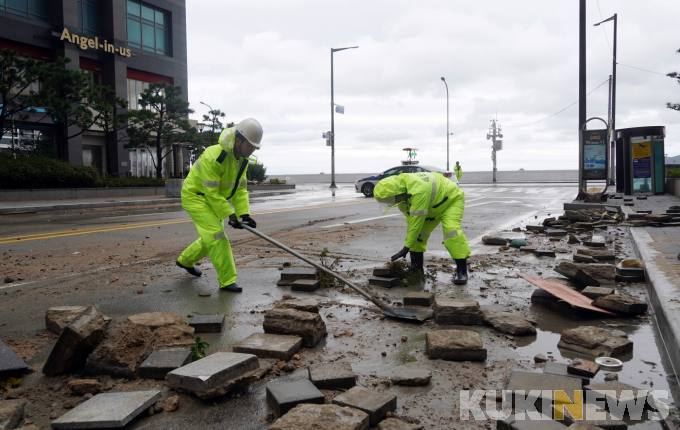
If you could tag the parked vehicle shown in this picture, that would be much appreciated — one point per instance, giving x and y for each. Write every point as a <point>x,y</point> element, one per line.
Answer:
<point>366,185</point>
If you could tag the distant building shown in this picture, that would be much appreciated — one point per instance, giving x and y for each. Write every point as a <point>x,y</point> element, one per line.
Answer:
<point>126,44</point>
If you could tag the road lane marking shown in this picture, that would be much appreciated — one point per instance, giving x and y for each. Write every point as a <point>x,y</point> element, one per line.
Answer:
<point>359,220</point>
<point>145,224</point>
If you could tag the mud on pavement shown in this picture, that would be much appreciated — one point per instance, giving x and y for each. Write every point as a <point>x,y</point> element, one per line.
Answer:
<point>145,279</point>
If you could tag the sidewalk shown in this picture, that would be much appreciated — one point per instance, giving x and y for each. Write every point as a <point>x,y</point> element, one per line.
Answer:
<point>12,208</point>
<point>659,248</point>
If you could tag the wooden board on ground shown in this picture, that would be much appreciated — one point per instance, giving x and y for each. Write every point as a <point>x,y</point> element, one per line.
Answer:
<point>565,293</point>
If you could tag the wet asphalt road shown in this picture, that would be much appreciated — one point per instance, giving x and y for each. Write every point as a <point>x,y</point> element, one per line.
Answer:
<point>147,243</point>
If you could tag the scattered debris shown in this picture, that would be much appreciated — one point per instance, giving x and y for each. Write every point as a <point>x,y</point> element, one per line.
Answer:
<point>207,323</point>
<point>58,317</point>
<point>10,362</point>
<point>513,323</point>
<point>453,311</point>
<point>565,293</point>
<point>410,376</point>
<point>80,387</point>
<point>309,326</point>
<point>384,282</point>
<point>455,345</point>
<point>494,240</point>
<point>595,341</point>
<point>279,346</point>
<point>621,303</point>
<point>595,292</point>
<point>162,361</point>
<point>331,417</point>
<point>110,410</point>
<point>306,285</point>
<point>333,376</point>
<point>284,395</point>
<point>585,368</point>
<point>375,404</point>
<point>214,375</point>
<point>418,298</point>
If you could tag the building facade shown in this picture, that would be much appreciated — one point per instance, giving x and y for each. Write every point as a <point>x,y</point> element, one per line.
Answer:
<point>125,44</point>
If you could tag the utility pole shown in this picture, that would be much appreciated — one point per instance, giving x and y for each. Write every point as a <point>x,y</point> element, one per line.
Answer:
<point>495,134</point>
<point>581,93</point>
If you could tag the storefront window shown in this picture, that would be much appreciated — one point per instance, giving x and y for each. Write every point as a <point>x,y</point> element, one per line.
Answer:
<point>147,28</point>
<point>28,8</point>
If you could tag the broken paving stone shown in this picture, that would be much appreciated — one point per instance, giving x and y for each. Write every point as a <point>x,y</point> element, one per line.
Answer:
<point>169,329</point>
<point>546,383</point>
<point>207,323</point>
<point>382,272</point>
<point>575,216</point>
<point>263,345</point>
<point>535,228</point>
<point>333,376</point>
<point>540,358</point>
<point>11,413</point>
<point>306,304</point>
<point>580,258</point>
<point>327,417</point>
<point>621,303</point>
<point>294,273</point>
<point>214,375</point>
<point>555,232</point>
<point>455,345</point>
<point>108,410</point>
<point>418,298</point>
<point>10,362</point>
<point>384,282</point>
<point>162,361</point>
<point>595,341</point>
<point>543,423</point>
<point>454,311</point>
<point>396,424</point>
<point>494,240</point>
<point>309,326</point>
<point>513,323</point>
<point>588,274</point>
<point>596,241</point>
<point>306,285</point>
<point>284,395</point>
<point>76,342</point>
<point>80,387</point>
<point>562,369</point>
<point>58,317</point>
<point>410,376</point>
<point>598,254</point>
<point>595,292</point>
<point>582,367</point>
<point>374,403</point>
<point>573,240</point>
<point>545,253</point>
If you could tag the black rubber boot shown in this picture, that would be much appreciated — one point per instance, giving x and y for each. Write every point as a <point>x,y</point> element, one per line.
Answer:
<point>416,262</point>
<point>461,272</point>
<point>191,270</point>
<point>232,288</point>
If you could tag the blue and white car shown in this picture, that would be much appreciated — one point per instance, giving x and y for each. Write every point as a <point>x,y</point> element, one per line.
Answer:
<point>366,185</point>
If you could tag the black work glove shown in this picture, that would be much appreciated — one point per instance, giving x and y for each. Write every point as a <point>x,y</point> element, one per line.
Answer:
<point>234,222</point>
<point>247,220</point>
<point>400,254</point>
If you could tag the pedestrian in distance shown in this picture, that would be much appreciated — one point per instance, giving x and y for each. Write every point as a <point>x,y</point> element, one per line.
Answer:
<point>215,190</point>
<point>458,171</point>
<point>427,199</point>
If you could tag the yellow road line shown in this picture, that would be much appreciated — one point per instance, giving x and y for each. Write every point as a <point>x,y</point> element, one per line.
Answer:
<point>143,224</point>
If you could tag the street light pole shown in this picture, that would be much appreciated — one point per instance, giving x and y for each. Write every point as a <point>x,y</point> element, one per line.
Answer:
<point>612,122</point>
<point>332,137</point>
<point>447,122</point>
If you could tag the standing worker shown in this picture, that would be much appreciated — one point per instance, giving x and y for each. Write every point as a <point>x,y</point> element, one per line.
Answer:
<point>426,199</point>
<point>214,190</point>
<point>458,171</point>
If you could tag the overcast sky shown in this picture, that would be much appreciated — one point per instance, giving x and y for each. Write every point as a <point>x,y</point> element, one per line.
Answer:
<point>517,61</point>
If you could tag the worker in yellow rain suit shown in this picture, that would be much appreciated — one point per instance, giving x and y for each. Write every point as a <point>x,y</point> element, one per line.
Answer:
<point>458,171</point>
<point>214,190</point>
<point>427,199</point>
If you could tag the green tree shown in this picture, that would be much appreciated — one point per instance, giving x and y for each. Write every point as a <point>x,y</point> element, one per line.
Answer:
<point>212,126</point>
<point>18,87</point>
<point>256,172</point>
<point>676,76</point>
<point>160,123</point>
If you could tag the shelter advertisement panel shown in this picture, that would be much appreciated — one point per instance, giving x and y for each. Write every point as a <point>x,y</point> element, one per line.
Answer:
<point>595,154</point>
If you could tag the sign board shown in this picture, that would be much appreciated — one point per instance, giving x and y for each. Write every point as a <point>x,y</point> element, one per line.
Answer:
<point>95,43</point>
<point>641,148</point>
<point>595,154</point>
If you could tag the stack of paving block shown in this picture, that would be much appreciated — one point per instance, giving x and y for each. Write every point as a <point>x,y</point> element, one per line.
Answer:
<point>386,277</point>
<point>300,279</point>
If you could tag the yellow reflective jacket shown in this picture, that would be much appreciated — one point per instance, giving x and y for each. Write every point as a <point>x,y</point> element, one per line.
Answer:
<point>430,193</point>
<point>220,177</point>
<point>458,171</point>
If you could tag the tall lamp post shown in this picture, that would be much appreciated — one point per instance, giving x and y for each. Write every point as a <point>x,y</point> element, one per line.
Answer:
<point>612,120</point>
<point>332,136</point>
<point>447,122</point>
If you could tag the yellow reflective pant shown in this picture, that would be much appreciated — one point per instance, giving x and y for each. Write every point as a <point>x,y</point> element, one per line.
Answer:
<point>212,241</point>
<point>450,217</point>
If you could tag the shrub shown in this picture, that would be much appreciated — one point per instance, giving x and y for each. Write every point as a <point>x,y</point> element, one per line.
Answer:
<point>256,172</point>
<point>43,172</point>
<point>673,172</point>
<point>131,182</point>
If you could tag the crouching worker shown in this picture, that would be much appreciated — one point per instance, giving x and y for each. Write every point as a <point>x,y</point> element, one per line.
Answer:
<point>215,190</point>
<point>427,199</point>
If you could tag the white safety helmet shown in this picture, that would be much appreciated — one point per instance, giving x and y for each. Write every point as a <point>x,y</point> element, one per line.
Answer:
<point>251,130</point>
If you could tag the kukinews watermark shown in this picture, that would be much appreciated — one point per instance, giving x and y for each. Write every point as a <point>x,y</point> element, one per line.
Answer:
<point>562,405</point>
